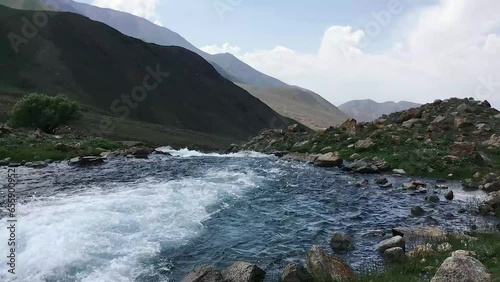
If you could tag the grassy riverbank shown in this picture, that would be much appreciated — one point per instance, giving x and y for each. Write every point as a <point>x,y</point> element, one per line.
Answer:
<point>486,248</point>
<point>29,146</point>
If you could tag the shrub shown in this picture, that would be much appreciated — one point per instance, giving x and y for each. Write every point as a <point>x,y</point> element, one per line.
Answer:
<point>44,112</point>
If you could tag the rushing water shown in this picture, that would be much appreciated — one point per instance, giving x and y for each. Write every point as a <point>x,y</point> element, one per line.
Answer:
<point>157,219</point>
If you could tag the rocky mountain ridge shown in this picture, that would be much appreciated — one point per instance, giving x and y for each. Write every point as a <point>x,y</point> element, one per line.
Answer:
<point>451,139</point>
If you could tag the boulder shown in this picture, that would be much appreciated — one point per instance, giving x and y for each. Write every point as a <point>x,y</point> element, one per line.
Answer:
<point>396,241</point>
<point>369,165</point>
<point>350,126</point>
<point>86,161</point>
<point>460,268</point>
<point>328,160</point>
<point>410,123</point>
<point>485,104</point>
<point>463,108</point>
<point>302,145</point>
<point>365,144</point>
<point>325,267</point>
<point>494,141</point>
<point>139,152</point>
<point>233,148</point>
<point>438,124</point>
<point>492,187</point>
<point>4,130</point>
<point>417,211</point>
<point>341,243</point>
<point>414,185</point>
<point>395,254</point>
<point>5,162</point>
<point>204,274</point>
<point>433,199</point>
<point>296,273</point>
<point>449,195</point>
<point>39,164</point>
<point>14,165</point>
<point>421,250</point>
<point>362,183</point>
<point>410,114</point>
<point>158,151</point>
<point>463,148</point>
<point>419,233</point>
<point>399,171</point>
<point>381,181</point>
<point>354,157</point>
<point>493,200</point>
<point>461,122</point>
<point>243,272</point>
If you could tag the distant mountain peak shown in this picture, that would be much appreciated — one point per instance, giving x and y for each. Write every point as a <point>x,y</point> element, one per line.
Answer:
<point>369,110</point>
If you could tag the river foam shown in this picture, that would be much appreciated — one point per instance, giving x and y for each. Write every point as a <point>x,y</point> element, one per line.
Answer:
<point>186,153</point>
<point>109,233</point>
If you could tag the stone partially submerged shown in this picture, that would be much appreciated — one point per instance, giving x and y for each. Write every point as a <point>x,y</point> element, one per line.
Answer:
<point>204,274</point>
<point>86,161</point>
<point>325,267</point>
<point>296,273</point>
<point>394,242</point>
<point>243,272</point>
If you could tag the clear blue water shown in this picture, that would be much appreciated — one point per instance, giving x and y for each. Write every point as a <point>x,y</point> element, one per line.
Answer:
<point>157,219</point>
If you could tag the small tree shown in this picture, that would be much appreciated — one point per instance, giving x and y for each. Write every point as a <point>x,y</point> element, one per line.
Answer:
<point>44,112</point>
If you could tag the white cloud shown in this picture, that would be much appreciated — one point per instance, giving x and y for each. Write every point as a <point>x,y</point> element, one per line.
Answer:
<point>447,51</point>
<point>225,48</point>
<point>141,8</point>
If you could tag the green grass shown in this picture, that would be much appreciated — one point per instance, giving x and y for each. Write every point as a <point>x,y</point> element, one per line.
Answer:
<point>423,268</point>
<point>22,146</point>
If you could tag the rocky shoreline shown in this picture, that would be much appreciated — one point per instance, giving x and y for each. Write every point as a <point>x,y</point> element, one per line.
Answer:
<point>458,265</point>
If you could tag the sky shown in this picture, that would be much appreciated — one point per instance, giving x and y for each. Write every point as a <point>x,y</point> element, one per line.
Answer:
<point>384,50</point>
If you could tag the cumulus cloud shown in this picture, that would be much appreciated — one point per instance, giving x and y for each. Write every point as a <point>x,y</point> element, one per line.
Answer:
<point>225,48</point>
<point>141,8</point>
<point>449,49</point>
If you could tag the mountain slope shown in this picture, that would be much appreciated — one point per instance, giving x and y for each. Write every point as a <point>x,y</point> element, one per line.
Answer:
<point>226,64</point>
<point>305,106</point>
<point>369,110</point>
<point>143,29</point>
<point>97,65</point>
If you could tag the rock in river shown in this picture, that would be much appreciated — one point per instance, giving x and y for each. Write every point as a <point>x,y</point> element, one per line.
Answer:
<point>243,272</point>
<point>204,274</point>
<point>396,241</point>
<point>296,273</point>
<point>86,161</point>
<point>341,243</point>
